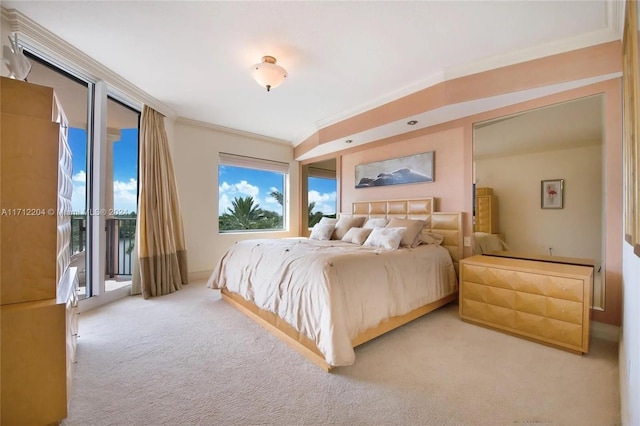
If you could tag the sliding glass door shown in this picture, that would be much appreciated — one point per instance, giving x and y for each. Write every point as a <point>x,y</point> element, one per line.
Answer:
<point>103,137</point>
<point>121,194</point>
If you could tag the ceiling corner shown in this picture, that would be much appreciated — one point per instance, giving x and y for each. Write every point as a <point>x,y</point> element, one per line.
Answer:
<point>615,17</point>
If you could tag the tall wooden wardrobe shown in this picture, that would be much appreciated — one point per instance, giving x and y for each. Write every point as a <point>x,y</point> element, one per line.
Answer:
<point>486,219</point>
<point>37,288</point>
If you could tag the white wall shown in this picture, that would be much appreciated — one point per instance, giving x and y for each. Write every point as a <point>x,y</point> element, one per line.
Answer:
<point>195,154</point>
<point>170,128</point>
<point>630,342</point>
<point>4,37</point>
<point>575,230</point>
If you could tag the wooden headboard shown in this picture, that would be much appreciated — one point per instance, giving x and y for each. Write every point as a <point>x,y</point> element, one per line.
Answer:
<point>449,225</point>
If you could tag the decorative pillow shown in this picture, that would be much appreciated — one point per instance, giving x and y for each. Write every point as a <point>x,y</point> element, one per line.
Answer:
<point>376,221</point>
<point>344,224</point>
<point>411,237</point>
<point>321,231</point>
<point>330,220</point>
<point>356,235</point>
<point>431,238</point>
<point>386,238</point>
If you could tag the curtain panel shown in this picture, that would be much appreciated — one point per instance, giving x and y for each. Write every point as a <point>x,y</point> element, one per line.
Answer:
<point>161,264</point>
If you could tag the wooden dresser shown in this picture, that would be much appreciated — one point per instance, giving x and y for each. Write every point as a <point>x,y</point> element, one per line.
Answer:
<point>539,298</point>
<point>37,287</point>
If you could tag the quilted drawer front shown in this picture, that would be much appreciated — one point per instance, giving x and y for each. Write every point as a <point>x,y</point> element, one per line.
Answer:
<point>547,285</point>
<point>531,324</point>
<point>474,310</point>
<point>501,297</point>
<point>565,310</point>
<point>500,317</point>
<point>563,332</point>
<point>565,288</point>
<point>472,291</point>
<point>489,276</point>
<point>531,303</point>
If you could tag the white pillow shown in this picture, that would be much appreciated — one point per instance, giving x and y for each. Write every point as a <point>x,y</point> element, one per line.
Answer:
<point>376,221</point>
<point>330,220</point>
<point>344,224</point>
<point>321,231</point>
<point>411,237</point>
<point>386,238</point>
<point>356,235</point>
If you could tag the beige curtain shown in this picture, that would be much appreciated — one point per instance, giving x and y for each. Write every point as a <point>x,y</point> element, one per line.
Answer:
<point>161,264</point>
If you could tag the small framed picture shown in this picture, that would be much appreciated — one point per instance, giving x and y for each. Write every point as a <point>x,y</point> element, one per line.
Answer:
<point>552,194</point>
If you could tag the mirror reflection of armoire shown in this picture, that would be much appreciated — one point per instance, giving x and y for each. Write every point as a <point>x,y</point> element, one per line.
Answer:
<point>38,302</point>
<point>486,208</point>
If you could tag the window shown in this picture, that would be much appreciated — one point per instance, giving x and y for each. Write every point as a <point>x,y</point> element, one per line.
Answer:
<point>252,194</point>
<point>322,199</point>
<point>75,96</point>
<point>105,173</point>
<point>321,194</point>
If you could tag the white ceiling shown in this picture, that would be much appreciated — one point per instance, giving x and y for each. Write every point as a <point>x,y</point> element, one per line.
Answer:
<point>342,58</point>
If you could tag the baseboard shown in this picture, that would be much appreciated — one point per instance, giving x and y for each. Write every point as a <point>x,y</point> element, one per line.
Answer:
<point>603,331</point>
<point>199,275</point>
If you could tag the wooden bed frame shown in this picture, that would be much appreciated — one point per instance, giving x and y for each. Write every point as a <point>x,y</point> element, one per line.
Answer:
<point>447,224</point>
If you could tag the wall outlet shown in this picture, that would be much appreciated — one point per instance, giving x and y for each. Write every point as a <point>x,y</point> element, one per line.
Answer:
<point>467,241</point>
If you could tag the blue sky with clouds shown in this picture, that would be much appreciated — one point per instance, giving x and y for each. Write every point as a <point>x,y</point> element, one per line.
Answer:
<point>241,182</point>
<point>125,175</point>
<point>233,181</point>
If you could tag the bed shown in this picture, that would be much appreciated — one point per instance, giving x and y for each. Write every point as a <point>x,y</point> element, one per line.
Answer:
<point>484,242</point>
<point>324,298</point>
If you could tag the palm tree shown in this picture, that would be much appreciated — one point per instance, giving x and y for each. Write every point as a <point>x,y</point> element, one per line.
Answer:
<point>278,196</point>
<point>245,214</point>
<point>313,217</point>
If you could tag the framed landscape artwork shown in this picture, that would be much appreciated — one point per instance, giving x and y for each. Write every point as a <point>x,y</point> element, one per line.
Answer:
<point>402,170</point>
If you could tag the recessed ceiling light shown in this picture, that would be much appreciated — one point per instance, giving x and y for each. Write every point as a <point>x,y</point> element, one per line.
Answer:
<point>412,122</point>
<point>348,141</point>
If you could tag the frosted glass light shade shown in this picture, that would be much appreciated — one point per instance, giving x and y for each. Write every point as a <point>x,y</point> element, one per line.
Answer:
<point>267,73</point>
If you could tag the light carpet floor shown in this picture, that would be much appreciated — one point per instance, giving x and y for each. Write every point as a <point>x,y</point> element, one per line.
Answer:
<point>190,359</point>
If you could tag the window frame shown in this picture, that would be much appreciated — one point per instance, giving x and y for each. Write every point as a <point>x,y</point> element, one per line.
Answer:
<point>258,164</point>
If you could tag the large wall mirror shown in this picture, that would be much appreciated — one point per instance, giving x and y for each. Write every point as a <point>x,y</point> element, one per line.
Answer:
<point>319,192</point>
<point>539,185</point>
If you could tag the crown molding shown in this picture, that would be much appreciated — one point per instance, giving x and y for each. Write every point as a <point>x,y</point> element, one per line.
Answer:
<point>615,17</point>
<point>448,113</point>
<point>231,131</point>
<point>73,60</point>
<point>615,20</point>
<point>536,52</point>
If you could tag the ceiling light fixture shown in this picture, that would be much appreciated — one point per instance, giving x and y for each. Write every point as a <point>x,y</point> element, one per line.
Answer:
<point>412,122</point>
<point>348,141</point>
<point>267,73</point>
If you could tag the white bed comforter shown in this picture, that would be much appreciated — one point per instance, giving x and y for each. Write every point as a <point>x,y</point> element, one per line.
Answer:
<point>331,291</point>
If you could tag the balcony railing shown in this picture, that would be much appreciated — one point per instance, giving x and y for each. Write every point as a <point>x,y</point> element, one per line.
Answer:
<point>120,234</point>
